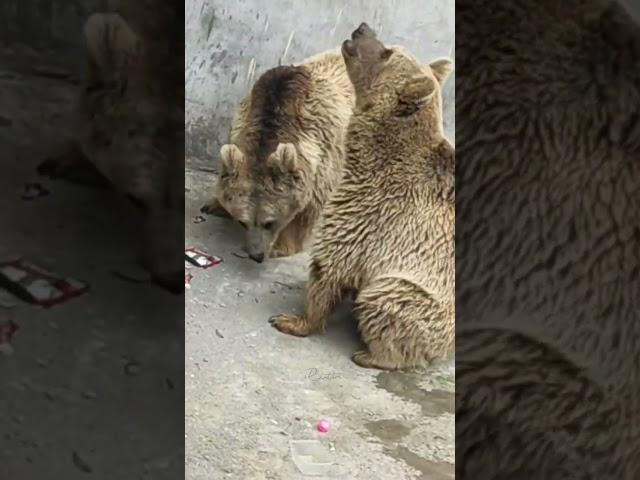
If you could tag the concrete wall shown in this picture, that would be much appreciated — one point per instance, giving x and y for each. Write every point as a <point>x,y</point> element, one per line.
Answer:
<point>230,42</point>
<point>45,27</point>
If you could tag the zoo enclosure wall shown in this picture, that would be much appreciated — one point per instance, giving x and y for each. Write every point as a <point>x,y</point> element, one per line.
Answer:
<point>229,43</point>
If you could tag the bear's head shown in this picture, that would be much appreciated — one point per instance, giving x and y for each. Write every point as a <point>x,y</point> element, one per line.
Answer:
<point>263,196</point>
<point>390,83</point>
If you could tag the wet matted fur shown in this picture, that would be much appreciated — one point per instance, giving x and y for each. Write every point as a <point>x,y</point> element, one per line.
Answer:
<point>388,230</point>
<point>547,259</point>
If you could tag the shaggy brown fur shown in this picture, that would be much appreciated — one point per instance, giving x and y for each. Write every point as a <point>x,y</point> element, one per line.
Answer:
<point>388,231</point>
<point>130,127</point>
<point>554,419</point>
<point>548,175</point>
<point>286,154</point>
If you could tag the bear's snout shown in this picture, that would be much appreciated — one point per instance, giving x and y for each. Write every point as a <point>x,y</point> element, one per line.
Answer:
<point>257,257</point>
<point>363,29</point>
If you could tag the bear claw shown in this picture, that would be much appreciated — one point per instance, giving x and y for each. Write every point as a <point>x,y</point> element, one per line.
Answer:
<point>290,324</point>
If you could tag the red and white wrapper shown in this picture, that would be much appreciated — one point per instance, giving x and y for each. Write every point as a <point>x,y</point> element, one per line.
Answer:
<point>36,285</point>
<point>7,330</point>
<point>201,259</point>
<point>187,279</point>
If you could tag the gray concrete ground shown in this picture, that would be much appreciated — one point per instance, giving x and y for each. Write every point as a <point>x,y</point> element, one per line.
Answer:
<point>250,390</point>
<point>94,388</point>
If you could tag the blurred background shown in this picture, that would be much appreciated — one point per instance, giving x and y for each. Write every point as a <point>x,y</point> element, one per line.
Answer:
<point>93,385</point>
<point>52,28</point>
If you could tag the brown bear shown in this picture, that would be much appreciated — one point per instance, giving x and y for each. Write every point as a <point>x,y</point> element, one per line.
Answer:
<point>388,230</point>
<point>548,182</point>
<point>286,154</point>
<point>130,125</point>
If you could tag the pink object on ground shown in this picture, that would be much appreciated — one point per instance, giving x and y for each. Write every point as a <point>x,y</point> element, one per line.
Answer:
<point>324,426</point>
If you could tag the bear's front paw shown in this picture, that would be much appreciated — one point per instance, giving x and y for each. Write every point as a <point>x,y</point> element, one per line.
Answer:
<point>72,168</point>
<point>290,324</point>
<point>52,167</point>
<point>214,208</point>
<point>283,249</point>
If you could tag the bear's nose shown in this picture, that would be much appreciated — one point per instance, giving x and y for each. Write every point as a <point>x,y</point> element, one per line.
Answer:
<point>363,29</point>
<point>257,257</point>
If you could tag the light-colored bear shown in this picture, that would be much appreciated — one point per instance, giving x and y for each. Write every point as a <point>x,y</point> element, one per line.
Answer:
<point>286,154</point>
<point>388,230</point>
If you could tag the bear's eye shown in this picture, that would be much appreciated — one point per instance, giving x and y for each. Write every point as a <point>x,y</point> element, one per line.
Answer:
<point>268,225</point>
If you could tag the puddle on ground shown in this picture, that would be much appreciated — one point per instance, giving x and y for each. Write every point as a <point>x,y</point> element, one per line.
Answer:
<point>405,386</point>
<point>430,470</point>
<point>433,403</point>
<point>388,430</point>
<point>392,431</point>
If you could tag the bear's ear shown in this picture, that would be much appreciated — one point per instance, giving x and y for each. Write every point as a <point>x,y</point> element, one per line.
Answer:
<point>414,94</point>
<point>231,159</point>
<point>284,159</point>
<point>111,43</point>
<point>442,68</point>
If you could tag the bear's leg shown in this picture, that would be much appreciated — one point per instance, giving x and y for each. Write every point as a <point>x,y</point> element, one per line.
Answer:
<point>70,164</point>
<point>292,238</point>
<point>287,243</point>
<point>323,294</point>
<point>402,325</point>
<point>213,207</point>
<point>162,253</point>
